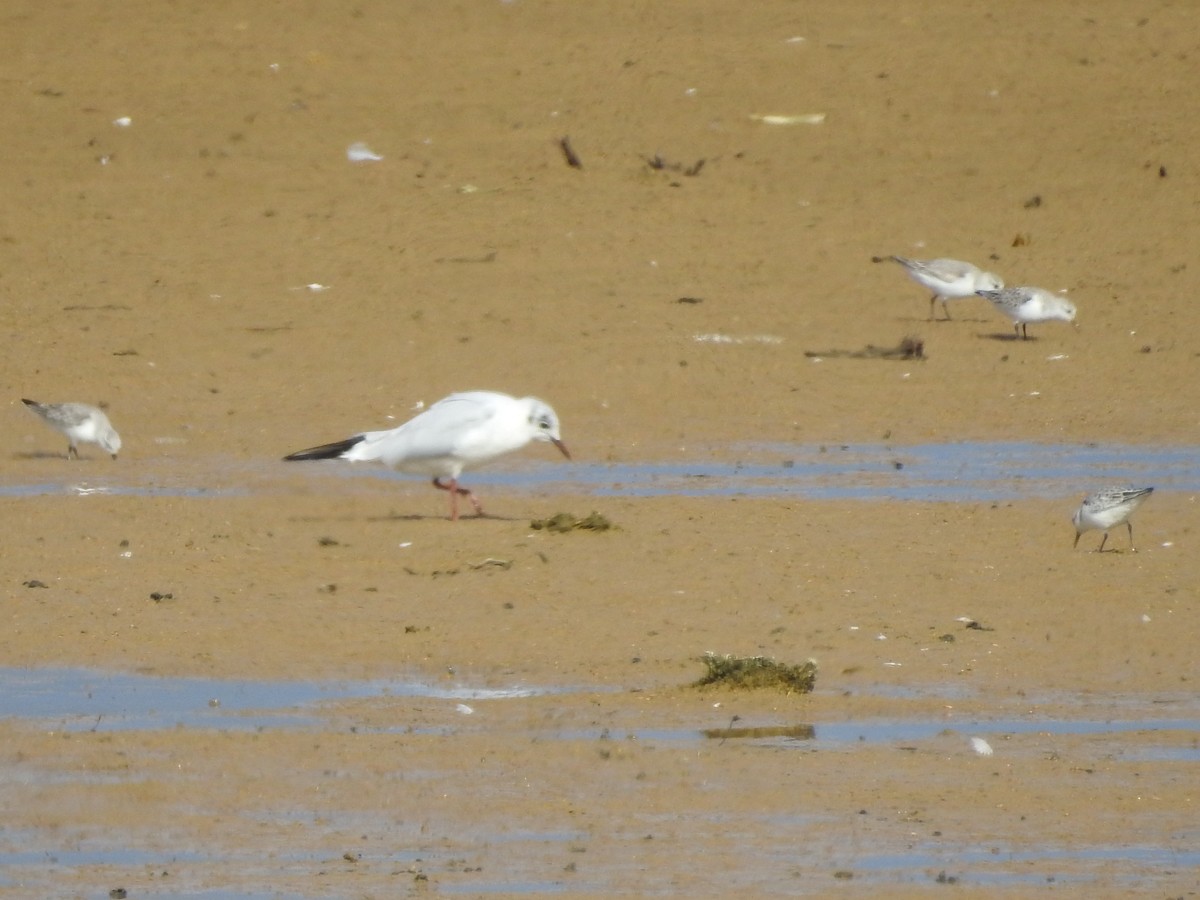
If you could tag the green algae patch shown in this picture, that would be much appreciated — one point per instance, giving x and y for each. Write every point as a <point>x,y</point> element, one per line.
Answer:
<point>750,673</point>
<point>562,522</point>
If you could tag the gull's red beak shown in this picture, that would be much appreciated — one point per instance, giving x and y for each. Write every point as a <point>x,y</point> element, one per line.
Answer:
<point>561,446</point>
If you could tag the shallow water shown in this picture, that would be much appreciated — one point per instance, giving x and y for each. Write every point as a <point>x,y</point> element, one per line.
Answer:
<point>86,699</point>
<point>957,472</point>
<point>69,699</point>
<point>949,472</point>
<point>66,700</point>
<point>76,698</point>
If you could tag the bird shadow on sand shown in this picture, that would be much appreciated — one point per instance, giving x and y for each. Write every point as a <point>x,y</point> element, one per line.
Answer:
<point>42,454</point>
<point>417,517</point>
<point>942,320</point>
<point>403,517</point>
<point>1007,337</point>
<point>313,519</point>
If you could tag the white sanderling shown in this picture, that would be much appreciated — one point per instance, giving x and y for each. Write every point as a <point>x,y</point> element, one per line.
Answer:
<point>1108,508</point>
<point>81,423</point>
<point>461,430</point>
<point>949,279</point>
<point>1030,304</point>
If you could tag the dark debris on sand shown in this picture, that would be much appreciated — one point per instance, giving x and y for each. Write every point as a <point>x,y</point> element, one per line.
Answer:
<point>562,522</point>
<point>753,672</point>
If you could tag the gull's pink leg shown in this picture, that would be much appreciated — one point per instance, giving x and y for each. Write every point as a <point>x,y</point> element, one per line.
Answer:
<point>455,490</point>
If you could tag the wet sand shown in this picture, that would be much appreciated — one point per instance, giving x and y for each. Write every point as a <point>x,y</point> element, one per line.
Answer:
<point>164,269</point>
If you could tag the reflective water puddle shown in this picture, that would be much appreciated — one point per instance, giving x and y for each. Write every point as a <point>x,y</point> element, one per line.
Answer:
<point>951,472</point>
<point>90,700</point>
<point>81,699</point>
<point>85,699</point>
<point>963,472</point>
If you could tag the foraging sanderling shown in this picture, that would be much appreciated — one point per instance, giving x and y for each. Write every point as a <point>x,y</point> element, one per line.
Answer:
<point>458,431</point>
<point>1030,304</point>
<point>1108,508</point>
<point>81,423</point>
<point>949,279</point>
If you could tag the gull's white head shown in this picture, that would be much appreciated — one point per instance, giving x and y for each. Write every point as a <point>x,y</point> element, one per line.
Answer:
<point>543,424</point>
<point>988,281</point>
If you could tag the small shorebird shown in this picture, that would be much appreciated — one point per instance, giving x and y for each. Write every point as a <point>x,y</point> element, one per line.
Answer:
<point>461,430</point>
<point>1030,304</point>
<point>1108,508</point>
<point>949,279</point>
<point>81,423</point>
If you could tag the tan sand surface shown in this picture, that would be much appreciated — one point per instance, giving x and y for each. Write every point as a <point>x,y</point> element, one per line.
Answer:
<point>231,288</point>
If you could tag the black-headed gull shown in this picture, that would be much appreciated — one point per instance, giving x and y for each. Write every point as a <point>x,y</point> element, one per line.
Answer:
<point>465,429</point>
<point>1108,508</point>
<point>949,279</point>
<point>81,423</point>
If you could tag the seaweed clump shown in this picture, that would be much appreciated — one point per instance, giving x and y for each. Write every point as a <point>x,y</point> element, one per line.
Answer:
<point>753,672</point>
<point>564,522</point>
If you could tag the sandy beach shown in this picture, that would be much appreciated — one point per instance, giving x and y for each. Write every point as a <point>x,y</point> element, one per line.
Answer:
<point>188,245</point>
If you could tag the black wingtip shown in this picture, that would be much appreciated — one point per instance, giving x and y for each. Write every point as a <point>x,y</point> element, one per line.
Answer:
<point>325,451</point>
<point>29,402</point>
